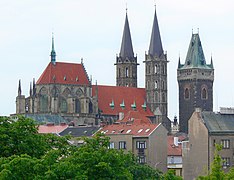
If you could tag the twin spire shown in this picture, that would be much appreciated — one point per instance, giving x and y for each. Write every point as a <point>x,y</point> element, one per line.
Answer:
<point>155,48</point>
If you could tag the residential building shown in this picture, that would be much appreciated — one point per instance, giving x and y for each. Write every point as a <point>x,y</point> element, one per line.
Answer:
<point>195,79</point>
<point>206,129</point>
<point>137,134</point>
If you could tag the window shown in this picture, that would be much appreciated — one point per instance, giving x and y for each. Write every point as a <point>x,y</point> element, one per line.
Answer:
<point>204,93</point>
<point>226,162</point>
<point>163,97</point>
<point>77,106</point>
<point>156,85</point>
<point>119,72</point>
<point>141,144</point>
<point>126,72</point>
<point>225,143</point>
<point>186,93</point>
<point>141,159</point>
<point>63,105</point>
<point>43,103</point>
<point>111,145</point>
<point>156,69</point>
<point>122,144</point>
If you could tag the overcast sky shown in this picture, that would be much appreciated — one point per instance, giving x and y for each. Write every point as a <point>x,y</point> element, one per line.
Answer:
<point>92,30</point>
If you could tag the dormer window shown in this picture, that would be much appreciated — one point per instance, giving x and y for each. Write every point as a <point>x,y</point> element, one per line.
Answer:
<point>64,78</point>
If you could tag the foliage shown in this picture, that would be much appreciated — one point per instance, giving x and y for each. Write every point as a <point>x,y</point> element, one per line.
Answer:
<point>170,175</point>
<point>25,154</point>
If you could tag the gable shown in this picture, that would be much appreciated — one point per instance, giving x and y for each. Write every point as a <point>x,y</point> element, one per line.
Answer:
<point>64,73</point>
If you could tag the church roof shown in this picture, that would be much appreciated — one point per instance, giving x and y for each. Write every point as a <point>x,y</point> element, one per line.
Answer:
<point>115,99</point>
<point>64,73</point>
<point>126,49</point>
<point>195,57</point>
<point>155,47</point>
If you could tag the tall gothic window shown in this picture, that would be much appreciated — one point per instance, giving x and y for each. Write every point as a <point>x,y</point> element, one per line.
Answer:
<point>163,97</point>
<point>77,106</point>
<point>63,105</point>
<point>204,93</point>
<point>43,103</point>
<point>119,72</point>
<point>126,72</point>
<point>186,93</point>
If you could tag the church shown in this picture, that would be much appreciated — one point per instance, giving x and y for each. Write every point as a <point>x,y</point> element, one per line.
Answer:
<point>65,92</point>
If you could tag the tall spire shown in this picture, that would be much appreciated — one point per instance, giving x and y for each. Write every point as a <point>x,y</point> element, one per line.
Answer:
<point>126,46</point>
<point>53,53</point>
<point>19,88</point>
<point>155,47</point>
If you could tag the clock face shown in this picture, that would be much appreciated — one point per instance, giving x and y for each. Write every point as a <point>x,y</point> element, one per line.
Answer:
<point>79,92</point>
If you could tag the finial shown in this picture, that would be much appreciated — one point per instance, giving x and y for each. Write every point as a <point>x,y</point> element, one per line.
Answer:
<point>53,53</point>
<point>19,88</point>
<point>155,4</point>
<point>197,30</point>
<point>126,7</point>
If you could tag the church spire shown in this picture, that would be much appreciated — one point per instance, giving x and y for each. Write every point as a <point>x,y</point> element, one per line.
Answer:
<point>155,47</point>
<point>126,46</point>
<point>53,53</point>
<point>19,88</point>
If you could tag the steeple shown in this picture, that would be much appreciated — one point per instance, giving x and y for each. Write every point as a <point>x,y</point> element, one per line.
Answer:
<point>126,46</point>
<point>211,63</point>
<point>19,88</point>
<point>53,53</point>
<point>195,56</point>
<point>155,47</point>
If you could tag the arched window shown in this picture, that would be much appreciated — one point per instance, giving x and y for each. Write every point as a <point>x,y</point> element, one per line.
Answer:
<point>77,106</point>
<point>43,103</point>
<point>156,69</point>
<point>63,105</point>
<point>186,93</point>
<point>204,93</point>
<point>163,97</point>
<point>156,85</point>
<point>163,69</point>
<point>155,96</point>
<point>119,72</point>
<point>163,85</point>
<point>127,72</point>
<point>90,107</point>
<point>148,84</point>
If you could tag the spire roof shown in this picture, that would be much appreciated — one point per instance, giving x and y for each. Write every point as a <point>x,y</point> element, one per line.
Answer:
<point>19,88</point>
<point>53,53</point>
<point>195,57</point>
<point>126,46</point>
<point>155,47</point>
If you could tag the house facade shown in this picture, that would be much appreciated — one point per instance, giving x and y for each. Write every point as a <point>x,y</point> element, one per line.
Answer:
<point>206,129</point>
<point>137,134</point>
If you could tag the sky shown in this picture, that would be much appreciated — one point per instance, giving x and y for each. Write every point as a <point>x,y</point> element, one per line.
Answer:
<point>92,30</point>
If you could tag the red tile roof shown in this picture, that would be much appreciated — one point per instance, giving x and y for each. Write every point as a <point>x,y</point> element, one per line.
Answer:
<point>173,150</point>
<point>135,118</point>
<point>118,94</point>
<point>64,73</point>
<point>51,128</point>
<point>134,123</point>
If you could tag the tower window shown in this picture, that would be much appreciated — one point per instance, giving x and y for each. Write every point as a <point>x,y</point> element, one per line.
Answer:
<point>163,97</point>
<point>156,69</point>
<point>204,93</point>
<point>163,85</point>
<point>156,85</point>
<point>186,94</point>
<point>127,72</point>
<point>119,72</point>
<point>148,85</point>
<point>163,69</point>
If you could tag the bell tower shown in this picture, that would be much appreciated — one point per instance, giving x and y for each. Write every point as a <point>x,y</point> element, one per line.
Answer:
<point>156,76</point>
<point>195,79</point>
<point>126,62</point>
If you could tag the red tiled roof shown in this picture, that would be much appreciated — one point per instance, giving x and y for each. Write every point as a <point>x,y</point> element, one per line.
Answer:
<point>135,130</point>
<point>173,150</point>
<point>136,118</point>
<point>64,73</point>
<point>51,128</point>
<point>118,94</point>
<point>134,123</point>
